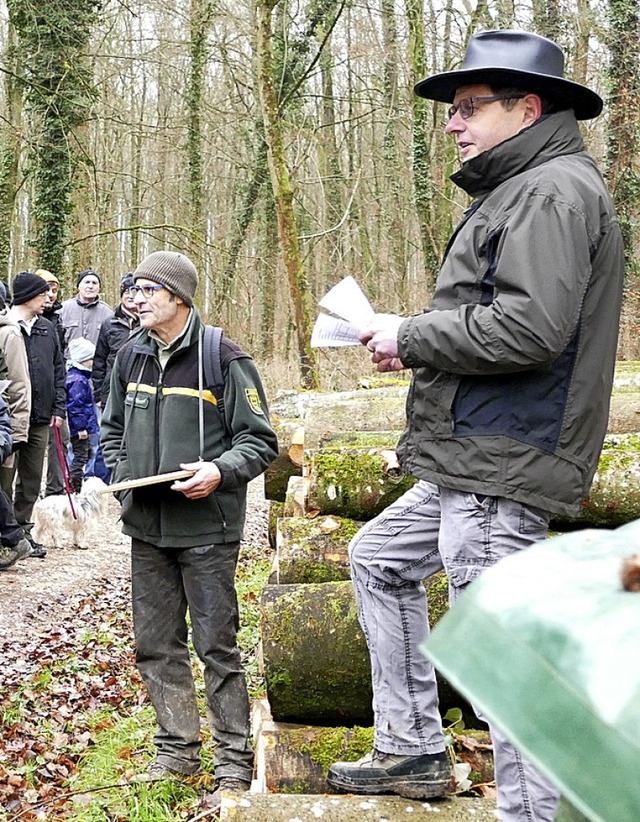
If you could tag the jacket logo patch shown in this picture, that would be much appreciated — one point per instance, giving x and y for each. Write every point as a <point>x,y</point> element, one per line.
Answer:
<point>253,398</point>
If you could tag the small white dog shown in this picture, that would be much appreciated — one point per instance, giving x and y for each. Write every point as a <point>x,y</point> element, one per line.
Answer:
<point>54,522</point>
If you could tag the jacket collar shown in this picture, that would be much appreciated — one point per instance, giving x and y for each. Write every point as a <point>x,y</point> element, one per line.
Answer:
<point>551,136</point>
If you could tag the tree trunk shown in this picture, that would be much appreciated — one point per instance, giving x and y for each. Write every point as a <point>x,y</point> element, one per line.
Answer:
<point>283,194</point>
<point>623,149</point>
<point>11,146</point>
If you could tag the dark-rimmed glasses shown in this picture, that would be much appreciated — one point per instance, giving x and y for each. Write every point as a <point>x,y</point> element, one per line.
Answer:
<point>467,106</point>
<point>147,291</point>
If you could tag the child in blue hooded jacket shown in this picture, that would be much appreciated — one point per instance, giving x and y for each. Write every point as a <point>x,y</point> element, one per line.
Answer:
<point>80,406</point>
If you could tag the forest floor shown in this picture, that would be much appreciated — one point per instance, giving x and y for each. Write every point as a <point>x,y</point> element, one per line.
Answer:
<point>68,672</point>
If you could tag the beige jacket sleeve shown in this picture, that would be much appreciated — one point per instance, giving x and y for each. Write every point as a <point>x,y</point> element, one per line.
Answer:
<point>19,390</point>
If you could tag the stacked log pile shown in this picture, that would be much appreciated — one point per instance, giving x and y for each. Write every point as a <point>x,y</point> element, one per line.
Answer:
<point>337,469</point>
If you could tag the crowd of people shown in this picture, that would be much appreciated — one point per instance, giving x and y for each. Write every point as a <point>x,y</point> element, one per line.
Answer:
<point>55,360</point>
<point>512,368</point>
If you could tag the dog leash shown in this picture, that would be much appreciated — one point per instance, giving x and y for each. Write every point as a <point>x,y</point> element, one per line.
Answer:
<point>64,467</point>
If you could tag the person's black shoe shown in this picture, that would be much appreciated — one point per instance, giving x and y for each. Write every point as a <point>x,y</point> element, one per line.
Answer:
<point>38,551</point>
<point>414,777</point>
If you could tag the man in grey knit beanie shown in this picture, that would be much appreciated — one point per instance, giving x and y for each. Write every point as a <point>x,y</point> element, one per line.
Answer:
<point>171,269</point>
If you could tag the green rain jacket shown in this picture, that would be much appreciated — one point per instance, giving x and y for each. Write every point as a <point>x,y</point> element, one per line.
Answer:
<point>513,361</point>
<point>151,424</point>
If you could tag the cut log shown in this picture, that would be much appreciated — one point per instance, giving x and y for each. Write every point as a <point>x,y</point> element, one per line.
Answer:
<point>377,410</point>
<point>295,501</point>
<point>312,550</point>
<point>614,498</point>
<point>624,412</point>
<point>315,660</point>
<point>354,483</point>
<point>276,510</point>
<point>288,463</point>
<point>292,758</point>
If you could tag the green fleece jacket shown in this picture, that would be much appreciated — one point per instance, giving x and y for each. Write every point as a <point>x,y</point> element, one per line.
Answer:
<point>151,424</point>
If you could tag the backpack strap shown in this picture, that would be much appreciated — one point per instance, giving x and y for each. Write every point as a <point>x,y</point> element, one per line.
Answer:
<point>212,363</point>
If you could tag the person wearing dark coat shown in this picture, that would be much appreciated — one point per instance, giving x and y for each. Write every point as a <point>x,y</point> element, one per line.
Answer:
<point>48,396</point>
<point>52,308</point>
<point>113,334</point>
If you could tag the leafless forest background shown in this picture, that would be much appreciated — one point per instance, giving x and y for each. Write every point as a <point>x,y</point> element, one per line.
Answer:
<point>278,144</point>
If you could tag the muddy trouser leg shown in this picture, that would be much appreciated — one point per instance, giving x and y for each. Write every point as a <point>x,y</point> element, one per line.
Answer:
<point>476,533</point>
<point>390,556</point>
<point>209,580</point>
<point>162,654</point>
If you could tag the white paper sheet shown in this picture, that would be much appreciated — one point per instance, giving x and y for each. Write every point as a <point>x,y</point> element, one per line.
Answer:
<point>350,312</point>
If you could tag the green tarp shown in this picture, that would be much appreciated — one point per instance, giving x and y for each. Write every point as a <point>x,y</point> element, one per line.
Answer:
<point>547,645</point>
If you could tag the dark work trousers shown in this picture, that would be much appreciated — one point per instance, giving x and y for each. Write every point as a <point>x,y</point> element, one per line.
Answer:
<point>30,462</point>
<point>165,582</point>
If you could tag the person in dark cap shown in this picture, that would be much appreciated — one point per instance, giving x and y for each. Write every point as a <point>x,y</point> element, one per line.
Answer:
<point>512,367</point>
<point>48,397</point>
<point>83,315</point>
<point>161,416</point>
<point>113,334</point>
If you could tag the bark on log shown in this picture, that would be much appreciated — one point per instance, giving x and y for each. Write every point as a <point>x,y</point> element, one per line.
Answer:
<point>276,511</point>
<point>315,660</point>
<point>312,550</point>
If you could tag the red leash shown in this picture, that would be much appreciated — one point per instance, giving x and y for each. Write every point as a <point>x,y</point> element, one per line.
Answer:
<point>64,465</point>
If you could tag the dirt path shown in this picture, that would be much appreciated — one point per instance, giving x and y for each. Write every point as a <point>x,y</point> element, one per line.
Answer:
<point>34,593</point>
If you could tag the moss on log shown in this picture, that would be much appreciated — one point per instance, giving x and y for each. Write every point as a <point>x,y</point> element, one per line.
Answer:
<point>312,550</point>
<point>614,498</point>
<point>315,660</point>
<point>353,483</point>
<point>288,463</point>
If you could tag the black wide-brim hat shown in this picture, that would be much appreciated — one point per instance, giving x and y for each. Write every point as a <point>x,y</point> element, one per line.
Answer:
<point>514,58</point>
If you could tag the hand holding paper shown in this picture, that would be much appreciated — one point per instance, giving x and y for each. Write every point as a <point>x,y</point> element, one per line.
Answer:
<point>381,338</point>
<point>350,311</point>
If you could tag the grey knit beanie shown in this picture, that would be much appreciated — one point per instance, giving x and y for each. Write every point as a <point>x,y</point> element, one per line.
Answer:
<point>171,269</point>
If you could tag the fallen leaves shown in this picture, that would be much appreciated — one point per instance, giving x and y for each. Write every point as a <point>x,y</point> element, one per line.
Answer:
<point>54,687</point>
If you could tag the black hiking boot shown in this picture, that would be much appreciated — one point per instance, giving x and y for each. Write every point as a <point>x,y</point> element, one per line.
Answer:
<point>414,777</point>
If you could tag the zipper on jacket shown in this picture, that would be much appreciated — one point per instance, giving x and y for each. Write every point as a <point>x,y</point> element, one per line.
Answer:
<point>220,512</point>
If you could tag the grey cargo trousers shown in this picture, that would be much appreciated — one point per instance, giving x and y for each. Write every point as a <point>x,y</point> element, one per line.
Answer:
<point>431,529</point>
<point>164,584</point>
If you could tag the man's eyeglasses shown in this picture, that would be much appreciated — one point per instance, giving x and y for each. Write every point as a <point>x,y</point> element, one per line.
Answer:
<point>147,291</point>
<point>467,106</point>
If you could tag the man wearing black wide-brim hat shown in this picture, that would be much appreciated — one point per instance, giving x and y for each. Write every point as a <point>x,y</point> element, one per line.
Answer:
<point>512,372</point>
